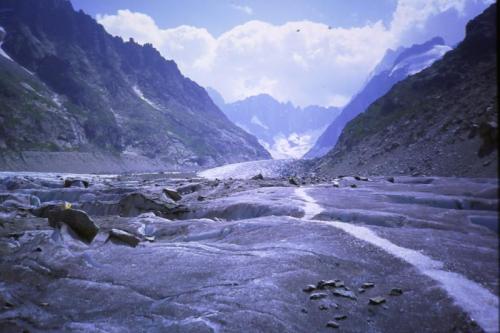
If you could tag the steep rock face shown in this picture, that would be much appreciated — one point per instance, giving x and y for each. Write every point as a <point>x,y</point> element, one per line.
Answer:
<point>442,121</point>
<point>91,92</point>
<point>285,130</point>
<point>394,67</point>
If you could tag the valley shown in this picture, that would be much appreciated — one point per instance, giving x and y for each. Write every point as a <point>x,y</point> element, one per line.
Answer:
<point>226,254</point>
<point>339,186</point>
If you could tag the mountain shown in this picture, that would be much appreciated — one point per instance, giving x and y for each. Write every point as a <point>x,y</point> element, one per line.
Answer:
<point>394,67</point>
<point>285,130</point>
<point>441,121</point>
<point>74,98</point>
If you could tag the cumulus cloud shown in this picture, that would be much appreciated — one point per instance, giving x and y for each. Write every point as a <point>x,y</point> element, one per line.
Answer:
<point>245,9</point>
<point>303,62</point>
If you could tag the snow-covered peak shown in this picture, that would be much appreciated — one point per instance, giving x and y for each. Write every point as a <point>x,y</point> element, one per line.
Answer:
<point>416,63</point>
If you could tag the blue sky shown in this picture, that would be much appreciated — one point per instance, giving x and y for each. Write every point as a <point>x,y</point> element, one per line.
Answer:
<point>218,16</point>
<point>304,51</point>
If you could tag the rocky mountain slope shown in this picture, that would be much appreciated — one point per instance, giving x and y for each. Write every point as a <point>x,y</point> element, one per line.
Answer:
<point>285,130</point>
<point>441,121</point>
<point>394,67</point>
<point>70,92</point>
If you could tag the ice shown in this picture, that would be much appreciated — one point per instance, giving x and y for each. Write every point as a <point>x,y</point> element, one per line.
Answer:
<point>246,170</point>
<point>477,301</point>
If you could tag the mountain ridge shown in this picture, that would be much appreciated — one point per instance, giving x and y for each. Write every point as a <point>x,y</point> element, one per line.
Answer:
<point>285,130</point>
<point>390,70</point>
<point>120,98</point>
<point>441,121</point>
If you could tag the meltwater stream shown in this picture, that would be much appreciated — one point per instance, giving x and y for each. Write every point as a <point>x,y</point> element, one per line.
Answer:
<point>478,302</point>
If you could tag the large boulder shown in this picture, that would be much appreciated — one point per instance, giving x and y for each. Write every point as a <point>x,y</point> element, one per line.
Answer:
<point>83,227</point>
<point>135,204</point>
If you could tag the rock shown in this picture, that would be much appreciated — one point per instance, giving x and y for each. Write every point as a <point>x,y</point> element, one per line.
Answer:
<point>344,293</point>
<point>336,183</point>
<point>396,292</point>
<point>361,178</point>
<point>361,290</point>
<point>294,181</point>
<point>354,185</point>
<point>172,194</point>
<point>258,177</point>
<point>68,182</point>
<point>340,317</point>
<point>78,221</point>
<point>316,296</point>
<point>390,179</point>
<point>303,310</point>
<point>201,198</point>
<point>124,237</point>
<point>325,283</point>
<point>190,188</point>
<point>309,288</point>
<point>332,324</point>
<point>377,300</point>
<point>137,203</point>
<point>367,285</point>
<point>323,307</point>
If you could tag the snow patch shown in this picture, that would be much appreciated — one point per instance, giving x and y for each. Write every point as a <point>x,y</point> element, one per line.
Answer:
<point>3,53</point>
<point>256,121</point>
<point>413,65</point>
<point>478,302</point>
<point>139,93</point>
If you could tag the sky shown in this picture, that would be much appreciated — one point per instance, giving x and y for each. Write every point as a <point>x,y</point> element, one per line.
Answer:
<point>308,52</point>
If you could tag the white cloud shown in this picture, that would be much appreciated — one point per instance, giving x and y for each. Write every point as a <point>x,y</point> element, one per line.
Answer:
<point>245,9</point>
<point>316,65</point>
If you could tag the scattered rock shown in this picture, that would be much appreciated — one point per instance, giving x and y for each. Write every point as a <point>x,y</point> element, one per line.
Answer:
<point>124,237</point>
<point>309,288</point>
<point>377,300</point>
<point>68,182</point>
<point>325,283</point>
<point>340,317</point>
<point>190,188</point>
<point>294,181</point>
<point>344,293</point>
<point>316,296</point>
<point>137,203</point>
<point>332,324</point>
<point>258,177</point>
<point>172,194</point>
<point>396,292</point>
<point>367,285</point>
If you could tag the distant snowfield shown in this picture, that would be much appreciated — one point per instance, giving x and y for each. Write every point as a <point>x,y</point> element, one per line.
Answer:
<point>295,145</point>
<point>246,170</point>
